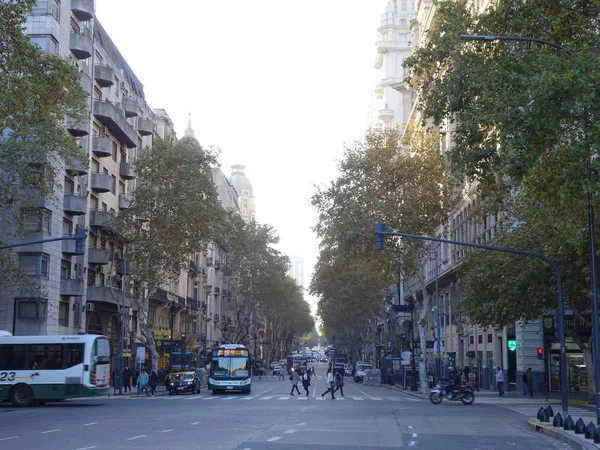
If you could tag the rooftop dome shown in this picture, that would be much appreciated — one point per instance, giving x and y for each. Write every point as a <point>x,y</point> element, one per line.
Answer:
<point>239,180</point>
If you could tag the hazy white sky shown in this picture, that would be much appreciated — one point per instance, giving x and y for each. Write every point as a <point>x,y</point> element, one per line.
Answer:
<point>277,85</point>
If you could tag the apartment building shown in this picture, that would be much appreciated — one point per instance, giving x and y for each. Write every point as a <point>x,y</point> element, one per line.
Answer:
<point>245,192</point>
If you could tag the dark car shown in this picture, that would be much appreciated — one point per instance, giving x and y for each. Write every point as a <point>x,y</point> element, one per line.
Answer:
<point>182,382</point>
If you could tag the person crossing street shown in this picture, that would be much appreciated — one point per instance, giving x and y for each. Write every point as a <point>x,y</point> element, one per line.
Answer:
<point>294,378</point>
<point>330,385</point>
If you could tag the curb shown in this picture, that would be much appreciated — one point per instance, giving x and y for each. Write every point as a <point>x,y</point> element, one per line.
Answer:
<point>577,441</point>
<point>411,393</point>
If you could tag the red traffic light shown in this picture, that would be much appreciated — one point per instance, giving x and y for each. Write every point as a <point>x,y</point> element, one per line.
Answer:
<point>540,353</point>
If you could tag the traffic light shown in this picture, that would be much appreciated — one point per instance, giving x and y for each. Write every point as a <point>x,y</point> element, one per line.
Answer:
<point>379,228</point>
<point>80,237</point>
<point>540,353</point>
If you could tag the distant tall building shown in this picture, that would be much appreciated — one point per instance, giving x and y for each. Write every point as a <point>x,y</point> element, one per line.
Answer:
<point>297,270</point>
<point>245,192</point>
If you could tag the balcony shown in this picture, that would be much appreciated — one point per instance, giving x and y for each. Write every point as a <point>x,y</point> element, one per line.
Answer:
<point>98,256</point>
<point>105,294</point>
<point>78,128</point>
<point>145,126</point>
<point>68,247</point>
<point>99,218</point>
<point>127,171</point>
<point>75,204</point>
<point>86,83</point>
<point>104,75</point>
<point>75,167</point>
<point>100,182</point>
<point>81,44</point>
<point>124,201</point>
<point>386,114</point>
<point>114,119</point>
<point>390,46</point>
<point>102,146</point>
<point>83,9</point>
<point>131,107</point>
<point>72,287</point>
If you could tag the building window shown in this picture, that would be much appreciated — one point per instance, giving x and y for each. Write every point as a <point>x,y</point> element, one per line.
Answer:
<point>471,340</point>
<point>31,308</point>
<point>480,339</point>
<point>47,43</point>
<point>121,187</point>
<point>67,227</point>
<point>115,151</point>
<point>34,264</point>
<point>65,269</point>
<point>489,338</point>
<point>63,314</point>
<point>36,220</point>
<point>113,183</point>
<point>152,315</point>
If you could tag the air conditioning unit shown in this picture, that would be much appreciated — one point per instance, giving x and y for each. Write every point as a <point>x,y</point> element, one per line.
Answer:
<point>89,306</point>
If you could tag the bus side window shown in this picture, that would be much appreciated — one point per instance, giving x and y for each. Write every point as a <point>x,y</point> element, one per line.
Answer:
<point>45,357</point>
<point>12,357</point>
<point>74,354</point>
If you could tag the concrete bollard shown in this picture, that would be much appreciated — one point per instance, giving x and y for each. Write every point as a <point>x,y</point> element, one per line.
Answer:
<point>569,425</point>
<point>580,426</point>
<point>544,416</point>
<point>539,413</point>
<point>597,436</point>
<point>558,420</point>
<point>590,430</point>
<point>550,411</point>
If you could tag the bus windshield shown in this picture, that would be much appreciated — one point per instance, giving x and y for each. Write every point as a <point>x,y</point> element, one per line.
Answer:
<point>229,367</point>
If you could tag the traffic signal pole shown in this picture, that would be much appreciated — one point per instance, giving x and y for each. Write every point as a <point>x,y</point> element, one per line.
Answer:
<point>381,232</point>
<point>79,238</point>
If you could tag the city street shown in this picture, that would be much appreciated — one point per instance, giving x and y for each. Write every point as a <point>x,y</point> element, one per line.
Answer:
<point>269,418</point>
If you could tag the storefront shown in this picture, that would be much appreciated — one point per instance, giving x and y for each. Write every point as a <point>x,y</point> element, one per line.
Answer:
<point>576,369</point>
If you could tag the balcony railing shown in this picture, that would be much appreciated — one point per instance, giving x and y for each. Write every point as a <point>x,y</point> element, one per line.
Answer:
<point>83,9</point>
<point>100,182</point>
<point>76,167</point>
<point>98,256</point>
<point>105,294</point>
<point>127,171</point>
<point>131,107</point>
<point>145,126</point>
<point>81,44</point>
<point>124,201</point>
<point>104,75</point>
<point>73,287</point>
<point>99,218</point>
<point>78,128</point>
<point>68,247</point>
<point>113,118</point>
<point>75,204</point>
<point>101,146</point>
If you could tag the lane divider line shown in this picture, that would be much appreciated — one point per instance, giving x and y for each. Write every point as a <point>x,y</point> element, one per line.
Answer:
<point>136,437</point>
<point>273,439</point>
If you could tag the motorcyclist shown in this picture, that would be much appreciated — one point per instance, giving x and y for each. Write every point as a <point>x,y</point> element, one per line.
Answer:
<point>455,385</point>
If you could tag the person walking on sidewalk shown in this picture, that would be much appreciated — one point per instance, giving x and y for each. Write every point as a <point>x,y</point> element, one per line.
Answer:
<point>294,378</point>
<point>528,383</point>
<point>330,385</point>
<point>306,380</point>
<point>142,383</point>
<point>500,381</point>
<point>153,383</point>
<point>127,379</point>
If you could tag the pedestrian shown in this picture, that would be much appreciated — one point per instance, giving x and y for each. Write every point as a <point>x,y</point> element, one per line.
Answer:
<point>528,382</point>
<point>306,381</point>
<point>500,381</point>
<point>142,383</point>
<point>294,378</point>
<point>330,385</point>
<point>127,379</point>
<point>153,382</point>
<point>339,382</point>
<point>280,373</point>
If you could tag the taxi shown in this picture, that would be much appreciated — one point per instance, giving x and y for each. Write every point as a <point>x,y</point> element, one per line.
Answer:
<point>183,382</point>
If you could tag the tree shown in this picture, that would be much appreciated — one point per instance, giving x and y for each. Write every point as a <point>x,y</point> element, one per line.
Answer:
<point>382,179</point>
<point>174,212</point>
<point>38,91</point>
<point>524,122</point>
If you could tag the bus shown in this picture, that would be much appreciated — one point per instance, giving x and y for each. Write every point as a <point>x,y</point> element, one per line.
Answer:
<point>230,369</point>
<point>38,369</point>
<point>297,361</point>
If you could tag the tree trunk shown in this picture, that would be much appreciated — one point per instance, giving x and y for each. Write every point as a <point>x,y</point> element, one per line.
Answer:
<point>423,312</point>
<point>146,329</point>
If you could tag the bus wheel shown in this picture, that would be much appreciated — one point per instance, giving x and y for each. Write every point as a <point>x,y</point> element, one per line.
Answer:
<point>21,395</point>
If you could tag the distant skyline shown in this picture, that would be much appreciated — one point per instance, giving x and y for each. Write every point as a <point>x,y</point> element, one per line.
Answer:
<point>279,87</point>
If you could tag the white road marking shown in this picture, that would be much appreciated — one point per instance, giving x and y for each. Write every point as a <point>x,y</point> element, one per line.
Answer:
<point>212,397</point>
<point>320,398</point>
<point>302,398</point>
<point>248,448</point>
<point>194,423</point>
<point>415,435</point>
<point>192,398</point>
<point>91,423</point>
<point>375,398</point>
<point>166,431</point>
<point>410,426</point>
<point>364,393</point>
<point>358,398</point>
<point>50,431</point>
<point>249,398</point>
<point>276,438</point>
<point>9,438</point>
<point>412,443</point>
<point>340,398</point>
<point>265,398</point>
<point>229,398</point>
<point>282,398</point>
<point>290,431</point>
<point>301,424</point>
<point>87,448</point>
<point>136,437</point>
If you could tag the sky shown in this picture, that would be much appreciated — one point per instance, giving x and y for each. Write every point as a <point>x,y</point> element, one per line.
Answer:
<point>278,85</point>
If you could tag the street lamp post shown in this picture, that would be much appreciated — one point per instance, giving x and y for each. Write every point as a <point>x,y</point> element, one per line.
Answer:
<point>438,339</point>
<point>591,228</point>
<point>381,232</point>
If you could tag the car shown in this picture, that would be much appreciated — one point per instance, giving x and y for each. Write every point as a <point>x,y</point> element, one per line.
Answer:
<point>274,364</point>
<point>360,371</point>
<point>182,382</point>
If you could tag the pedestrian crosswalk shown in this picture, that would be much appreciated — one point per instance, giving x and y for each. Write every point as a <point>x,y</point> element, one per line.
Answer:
<point>267,398</point>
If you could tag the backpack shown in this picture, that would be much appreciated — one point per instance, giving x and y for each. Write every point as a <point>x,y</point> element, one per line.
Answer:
<point>525,377</point>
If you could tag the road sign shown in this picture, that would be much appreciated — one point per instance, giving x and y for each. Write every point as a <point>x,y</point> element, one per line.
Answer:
<point>140,354</point>
<point>406,358</point>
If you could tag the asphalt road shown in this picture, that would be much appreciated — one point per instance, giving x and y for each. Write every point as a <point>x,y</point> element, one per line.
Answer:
<point>367,418</point>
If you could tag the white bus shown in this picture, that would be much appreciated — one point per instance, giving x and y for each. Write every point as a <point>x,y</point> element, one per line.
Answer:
<point>50,368</point>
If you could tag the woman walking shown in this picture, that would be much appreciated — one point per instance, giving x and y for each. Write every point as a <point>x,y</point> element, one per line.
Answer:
<point>294,378</point>
<point>153,383</point>
<point>339,382</point>
<point>330,385</point>
<point>306,380</point>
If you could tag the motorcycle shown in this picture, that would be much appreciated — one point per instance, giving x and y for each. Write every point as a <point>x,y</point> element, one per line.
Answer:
<point>464,394</point>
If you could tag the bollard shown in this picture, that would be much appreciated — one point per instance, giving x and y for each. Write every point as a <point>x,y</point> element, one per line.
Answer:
<point>544,416</point>
<point>590,431</point>
<point>539,413</point>
<point>550,411</point>
<point>580,426</point>
<point>597,436</point>
<point>558,420</point>
<point>569,425</point>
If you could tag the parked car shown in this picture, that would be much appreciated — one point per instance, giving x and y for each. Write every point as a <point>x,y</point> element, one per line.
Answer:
<point>181,382</point>
<point>348,370</point>
<point>360,371</point>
